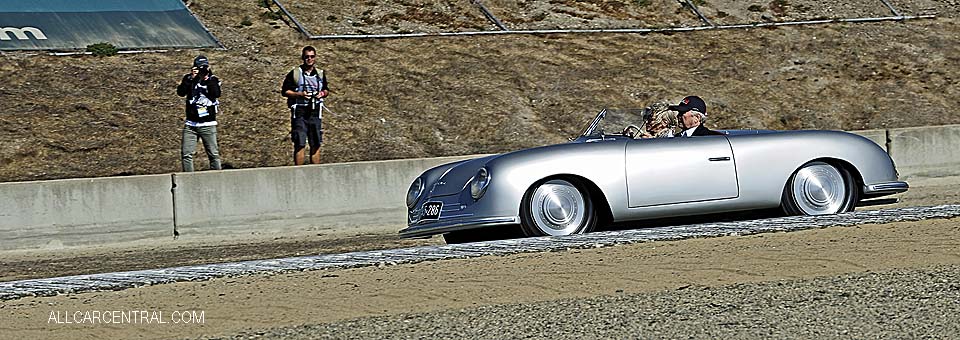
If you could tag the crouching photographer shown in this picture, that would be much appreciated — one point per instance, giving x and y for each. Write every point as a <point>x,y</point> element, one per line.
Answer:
<point>202,92</point>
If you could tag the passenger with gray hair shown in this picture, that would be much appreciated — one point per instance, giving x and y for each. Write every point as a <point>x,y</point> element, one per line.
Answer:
<point>658,121</point>
<point>692,112</point>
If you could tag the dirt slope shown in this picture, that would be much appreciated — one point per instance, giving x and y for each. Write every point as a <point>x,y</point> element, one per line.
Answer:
<point>83,116</point>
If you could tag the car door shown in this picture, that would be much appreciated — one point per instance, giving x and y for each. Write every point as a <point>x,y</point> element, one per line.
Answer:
<point>679,170</point>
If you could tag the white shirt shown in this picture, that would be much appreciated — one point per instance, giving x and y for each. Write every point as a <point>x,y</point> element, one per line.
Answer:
<point>688,132</point>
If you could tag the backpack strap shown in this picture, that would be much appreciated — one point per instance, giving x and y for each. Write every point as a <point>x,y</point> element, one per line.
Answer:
<point>298,74</point>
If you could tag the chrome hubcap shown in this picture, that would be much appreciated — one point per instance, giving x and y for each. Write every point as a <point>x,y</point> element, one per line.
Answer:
<point>558,208</point>
<point>819,189</point>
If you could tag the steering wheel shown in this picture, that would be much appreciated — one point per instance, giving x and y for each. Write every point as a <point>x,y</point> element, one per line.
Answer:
<point>631,131</point>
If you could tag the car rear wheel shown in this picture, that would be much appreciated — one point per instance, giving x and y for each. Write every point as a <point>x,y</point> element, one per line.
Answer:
<point>557,207</point>
<point>819,188</point>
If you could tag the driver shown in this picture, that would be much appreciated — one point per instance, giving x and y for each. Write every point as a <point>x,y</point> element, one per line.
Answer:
<point>692,113</point>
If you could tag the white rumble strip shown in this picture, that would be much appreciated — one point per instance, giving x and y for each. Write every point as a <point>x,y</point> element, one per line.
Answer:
<point>118,281</point>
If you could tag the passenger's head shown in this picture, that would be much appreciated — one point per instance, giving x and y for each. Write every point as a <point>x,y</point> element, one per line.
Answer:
<point>309,55</point>
<point>666,119</point>
<point>650,112</point>
<point>658,118</point>
<point>692,112</point>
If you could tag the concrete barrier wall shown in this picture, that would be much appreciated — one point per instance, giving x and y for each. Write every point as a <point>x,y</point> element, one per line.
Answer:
<point>359,197</point>
<point>77,212</point>
<point>926,151</point>
<point>877,136</point>
<point>345,197</point>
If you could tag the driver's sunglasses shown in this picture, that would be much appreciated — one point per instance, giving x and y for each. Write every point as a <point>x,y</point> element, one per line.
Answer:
<point>305,57</point>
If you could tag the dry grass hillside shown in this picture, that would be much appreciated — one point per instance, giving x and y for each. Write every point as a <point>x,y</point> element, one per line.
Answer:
<point>85,116</point>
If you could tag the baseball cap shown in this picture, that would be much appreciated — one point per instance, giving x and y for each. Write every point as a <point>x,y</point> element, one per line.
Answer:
<point>690,103</point>
<point>200,61</point>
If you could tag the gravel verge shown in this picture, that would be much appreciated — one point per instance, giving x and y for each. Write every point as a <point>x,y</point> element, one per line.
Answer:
<point>915,303</point>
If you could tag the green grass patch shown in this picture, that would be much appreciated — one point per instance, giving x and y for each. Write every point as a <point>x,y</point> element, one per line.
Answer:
<point>102,49</point>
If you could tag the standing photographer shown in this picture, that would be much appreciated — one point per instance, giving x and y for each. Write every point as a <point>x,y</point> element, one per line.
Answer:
<point>305,88</point>
<point>202,90</point>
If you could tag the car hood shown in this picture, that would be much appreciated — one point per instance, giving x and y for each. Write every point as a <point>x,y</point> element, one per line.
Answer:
<point>456,178</point>
<point>453,178</point>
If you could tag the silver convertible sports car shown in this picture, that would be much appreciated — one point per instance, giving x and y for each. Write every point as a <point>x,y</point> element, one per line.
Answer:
<point>601,178</point>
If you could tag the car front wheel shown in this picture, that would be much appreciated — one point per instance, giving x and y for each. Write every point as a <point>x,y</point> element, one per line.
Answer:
<point>557,207</point>
<point>819,188</point>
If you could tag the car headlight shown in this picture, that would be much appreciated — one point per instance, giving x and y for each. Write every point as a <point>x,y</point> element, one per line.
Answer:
<point>479,184</point>
<point>413,194</point>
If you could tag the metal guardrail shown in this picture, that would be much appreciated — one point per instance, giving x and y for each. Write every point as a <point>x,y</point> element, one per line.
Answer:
<point>696,11</point>
<point>489,15</point>
<point>619,30</point>
<point>890,7</point>
<point>300,27</point>
<point>710,26</point>
<point>118,281</point>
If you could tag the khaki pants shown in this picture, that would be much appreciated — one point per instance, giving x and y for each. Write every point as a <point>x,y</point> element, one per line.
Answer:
<point>188,144</point>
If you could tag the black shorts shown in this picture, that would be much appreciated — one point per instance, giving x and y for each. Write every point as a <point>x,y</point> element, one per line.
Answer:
<point>305,128</point>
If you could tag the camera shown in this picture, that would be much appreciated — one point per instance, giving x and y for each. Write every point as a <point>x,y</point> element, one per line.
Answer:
<point>202,71</point>
<point>313,99</point>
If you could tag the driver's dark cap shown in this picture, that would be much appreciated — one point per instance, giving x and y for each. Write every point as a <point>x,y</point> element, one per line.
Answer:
<point>690,103</point>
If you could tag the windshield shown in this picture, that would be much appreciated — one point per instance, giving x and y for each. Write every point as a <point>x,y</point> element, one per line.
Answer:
<point>612,121</point>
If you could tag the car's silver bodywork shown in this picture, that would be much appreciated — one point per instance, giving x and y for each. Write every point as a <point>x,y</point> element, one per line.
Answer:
<point>649,178</point>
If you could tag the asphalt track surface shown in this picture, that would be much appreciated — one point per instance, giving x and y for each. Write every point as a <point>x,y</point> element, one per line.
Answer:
<point>124,280</point>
